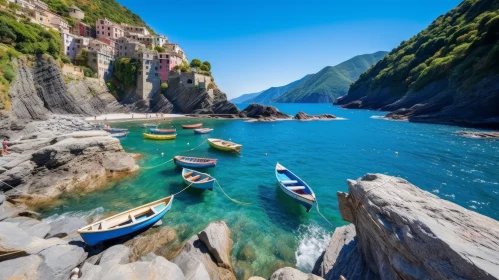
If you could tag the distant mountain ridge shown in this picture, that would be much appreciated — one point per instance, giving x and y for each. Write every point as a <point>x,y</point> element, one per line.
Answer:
<point>322,87</point>
<point>332,81</point>
<point>269,95</point>
<point>243,98</point>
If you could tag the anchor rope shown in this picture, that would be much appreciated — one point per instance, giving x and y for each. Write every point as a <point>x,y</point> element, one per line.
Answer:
<point>192,149</point>
<point>318,211</point>
<point>233,200</point>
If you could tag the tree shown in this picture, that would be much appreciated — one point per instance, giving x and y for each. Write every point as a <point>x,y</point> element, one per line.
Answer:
<point>204,67</point>
<point>82,58</point>
<point>196,62</point>
<point>14,6</point>
<point>65,59</point>
<point>208,64</point>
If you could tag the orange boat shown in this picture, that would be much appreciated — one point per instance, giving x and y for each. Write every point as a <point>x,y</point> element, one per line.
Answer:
<point>192,126</point>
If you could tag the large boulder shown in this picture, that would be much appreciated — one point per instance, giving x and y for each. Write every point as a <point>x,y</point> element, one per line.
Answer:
<point>31,226</point>
<point>216,237</point>
<point>288,273</point>
<point>152,241</point>
<point>404,232</point>
<point>62,259</point>
<point>26,268</point>
<point>302,116</point>
<point>342,258</point>
<point>117,254</point>
<point>65,226</point>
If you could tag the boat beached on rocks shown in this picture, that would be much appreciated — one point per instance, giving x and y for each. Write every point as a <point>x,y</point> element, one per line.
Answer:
<point>224,145</point>
<point>126,222</point>
<point>194,162</point>
<point>198,180</point>
<point>295,187</point>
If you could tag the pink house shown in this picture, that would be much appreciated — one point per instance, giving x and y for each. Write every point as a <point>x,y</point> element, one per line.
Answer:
<point>166,64</point>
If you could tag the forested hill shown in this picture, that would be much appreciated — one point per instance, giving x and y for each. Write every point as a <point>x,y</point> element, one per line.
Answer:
<point>331,82</point>
<point>449,72</point>
<point>95,9</point>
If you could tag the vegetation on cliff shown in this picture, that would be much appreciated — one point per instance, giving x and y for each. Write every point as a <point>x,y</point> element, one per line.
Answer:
<point>331,82</point>
<point>125,71</point>
<point>96,9</point>
<point>462,45</point>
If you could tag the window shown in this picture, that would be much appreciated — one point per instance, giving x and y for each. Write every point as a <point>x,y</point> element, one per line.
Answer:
<point>108,28</point>
<point>156,74</point>
<point>109,34</point>
<point>189,81</point>
<point>160,67</point>
<point>156,68</point>
<point>147,67</point>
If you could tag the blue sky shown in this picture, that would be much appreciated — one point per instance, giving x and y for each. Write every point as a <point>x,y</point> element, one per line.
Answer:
<point>253,45</point>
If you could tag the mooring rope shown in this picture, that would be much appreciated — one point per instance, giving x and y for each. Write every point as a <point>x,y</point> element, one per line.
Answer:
<point>318,211</point>
<point>233,200</point>
<point>151,167</point>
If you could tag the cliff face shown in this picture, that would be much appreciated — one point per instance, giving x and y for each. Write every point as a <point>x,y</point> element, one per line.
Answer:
<point>399,231</point>
<point>41,89</point>
<point>447,73</point>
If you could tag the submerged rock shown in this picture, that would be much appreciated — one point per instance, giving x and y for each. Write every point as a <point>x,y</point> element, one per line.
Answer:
<point>152,241</point>
<point>216,237</point>
<point>405,232</point>
<point>263,113</point>
<point>302,116</point>
<point>479,134</point>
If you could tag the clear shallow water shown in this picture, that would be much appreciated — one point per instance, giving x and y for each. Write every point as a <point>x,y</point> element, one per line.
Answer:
<point>274,231</point>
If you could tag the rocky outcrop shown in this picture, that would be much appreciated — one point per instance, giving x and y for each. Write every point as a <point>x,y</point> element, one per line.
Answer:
<point>479,134</point>
<point>197,101</point>
<point>263,113</point>
<point>84,160</point>
<point>208,253</point>
<point>302,116</point>
<point>403,232</point>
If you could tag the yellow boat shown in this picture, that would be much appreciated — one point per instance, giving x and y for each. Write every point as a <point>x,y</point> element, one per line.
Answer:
<point>159,136</point>
<point>224,145</point>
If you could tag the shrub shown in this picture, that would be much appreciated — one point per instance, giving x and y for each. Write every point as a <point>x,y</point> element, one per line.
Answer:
<point>195,63</point>
<point>211,86</point>
<point>125,71</point>
<point>87,71</point>
<point>164,86</point>
<point>207,64</point>
<point>204,67</point>
<point>14,6</point>
<point>159,49</point>
<point>65,59</point>
<point>82,58</point>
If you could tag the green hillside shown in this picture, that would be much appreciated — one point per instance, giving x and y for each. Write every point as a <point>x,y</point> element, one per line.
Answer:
<point>269,95</point>
<point>461,46</point>
<point>331,82</point>
<point>95,9</point>
<point>243,98</point>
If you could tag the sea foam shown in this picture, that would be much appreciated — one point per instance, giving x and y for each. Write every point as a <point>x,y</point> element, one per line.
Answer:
<point>313,240</point>
<point>94,215</point>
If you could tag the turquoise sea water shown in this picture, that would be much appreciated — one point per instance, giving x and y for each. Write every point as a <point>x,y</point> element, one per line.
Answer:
<point>274,231</point>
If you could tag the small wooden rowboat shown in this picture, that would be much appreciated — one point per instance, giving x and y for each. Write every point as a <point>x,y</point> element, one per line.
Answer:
<point>224,145</point>
<point>197,179</point>
<point>192,126</point>
<point>120,135</point>
<point>202,130</point>
<point>159,136</point>
<point>194,162</point>
<point>126,222</point>
<point>149,125</point>
<point>162,131</point>
<point>115,130</point>
<point>294,187</point>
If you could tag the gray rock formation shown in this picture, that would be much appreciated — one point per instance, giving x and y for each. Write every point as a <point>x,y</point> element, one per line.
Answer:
<point>288,273</point>
<point>66,163</point>
<point>479,134</point>
<point>117,254</point>
<point>31,226</point>
<point>404,232</point>
<point>263,113</point>
<point>197,254</point>
<point>65,226</point>
<point>342,258</point>
<point>302,116</point>
<point>216,237</point>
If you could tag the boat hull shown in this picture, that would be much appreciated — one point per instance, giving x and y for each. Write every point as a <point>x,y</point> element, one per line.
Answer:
<point>116,130</point>
<point>192,126</point>
<point>202,131</point>
<point>120,135</point>
<point>159,137</point>
<point>285,176</point>
<point>203,186</point>
<point>224,148</point>
<point>308,204</point>
<point>162,132</point>
<point>186,164</point>
<point>93,238</point>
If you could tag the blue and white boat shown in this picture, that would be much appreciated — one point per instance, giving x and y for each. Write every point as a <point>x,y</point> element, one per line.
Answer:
<point>202,130</point>
<point>197,179</point>
<point>163,131</point>
<point>119,135</point>
<point>114,130</point>
<point>194,162</point>
<point>126,222</point>
<point>295,187</point>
